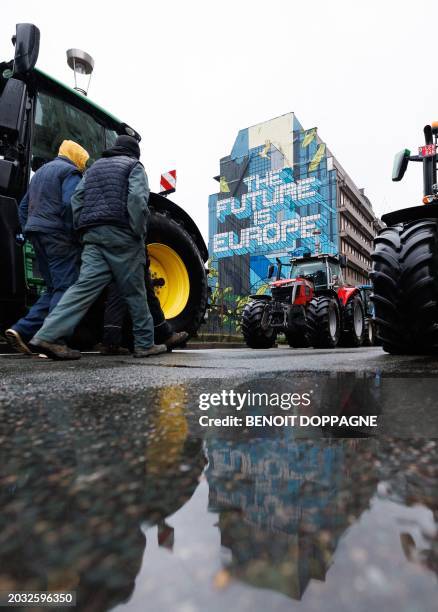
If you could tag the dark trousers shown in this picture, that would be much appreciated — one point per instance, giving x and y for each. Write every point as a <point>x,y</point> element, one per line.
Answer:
<point>116,311</point>
<point>58,258</point>
<point>100,265</point>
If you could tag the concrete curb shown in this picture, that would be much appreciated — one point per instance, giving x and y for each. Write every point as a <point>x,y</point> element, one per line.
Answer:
<point>214,345</point>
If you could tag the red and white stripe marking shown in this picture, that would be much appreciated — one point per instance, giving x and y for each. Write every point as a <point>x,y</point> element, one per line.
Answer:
<point>168,181</point>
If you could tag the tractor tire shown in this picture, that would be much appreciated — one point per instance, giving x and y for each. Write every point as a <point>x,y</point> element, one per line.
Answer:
<point>177,267</point>
<point>369,333</point>
<point>419,285</point>
<point>385,276</point>
<point>325,318</point>
<point>405,287</point>
<point>299,335</point>
<point>353,322</point>
<point>297,340</point>
<point>256,337</point>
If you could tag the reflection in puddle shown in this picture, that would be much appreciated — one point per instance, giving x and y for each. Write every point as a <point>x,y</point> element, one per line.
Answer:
<point>100,495</point>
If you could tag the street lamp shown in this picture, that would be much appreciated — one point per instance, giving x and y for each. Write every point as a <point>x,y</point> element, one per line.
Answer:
<point>82,65</point>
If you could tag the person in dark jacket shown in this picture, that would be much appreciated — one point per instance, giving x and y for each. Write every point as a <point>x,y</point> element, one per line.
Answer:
<point>46,219</point>
<point>110,210</point>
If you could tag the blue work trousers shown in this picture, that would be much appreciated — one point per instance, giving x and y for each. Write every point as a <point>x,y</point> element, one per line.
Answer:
<point>58,258</point>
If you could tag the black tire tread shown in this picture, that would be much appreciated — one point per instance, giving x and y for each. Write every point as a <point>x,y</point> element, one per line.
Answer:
<point>349,337</point>
<point>406,306</point>
<point>385,277</point>
<point>317,315</point>
<point>255,337</point>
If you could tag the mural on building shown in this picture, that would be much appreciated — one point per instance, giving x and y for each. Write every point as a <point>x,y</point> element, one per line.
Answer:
<point>276,188</point>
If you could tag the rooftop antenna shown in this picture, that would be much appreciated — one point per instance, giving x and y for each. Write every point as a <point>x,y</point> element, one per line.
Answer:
<point>82,65</point>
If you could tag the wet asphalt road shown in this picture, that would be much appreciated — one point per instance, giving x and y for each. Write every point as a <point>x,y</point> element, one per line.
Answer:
<point>24,379</point>
<point>111,487</point>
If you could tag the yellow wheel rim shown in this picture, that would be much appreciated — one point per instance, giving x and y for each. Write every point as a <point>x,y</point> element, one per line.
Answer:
<point>166,264</point>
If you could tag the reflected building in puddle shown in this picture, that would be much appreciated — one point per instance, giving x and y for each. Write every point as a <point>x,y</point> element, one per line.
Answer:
<point>283,506</point>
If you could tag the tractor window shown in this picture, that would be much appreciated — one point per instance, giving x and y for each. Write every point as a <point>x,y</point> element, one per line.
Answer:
<point>336,270</point>
<point>110,138</point>
<point>56,121</point>
<point>315,270</point>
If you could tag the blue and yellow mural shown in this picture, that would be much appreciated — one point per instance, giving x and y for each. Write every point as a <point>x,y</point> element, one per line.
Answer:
<point>277,198</point>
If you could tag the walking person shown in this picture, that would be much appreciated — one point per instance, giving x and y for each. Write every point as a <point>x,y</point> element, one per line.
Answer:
<point>46,220</point>
<point>110,211</point>
<point>115,313</point>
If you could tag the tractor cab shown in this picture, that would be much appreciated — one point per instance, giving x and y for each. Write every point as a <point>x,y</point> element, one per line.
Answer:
<point>323,271</point>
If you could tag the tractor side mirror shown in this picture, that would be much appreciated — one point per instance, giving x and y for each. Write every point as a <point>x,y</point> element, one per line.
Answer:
<point>401,161</point>
<point>343,262</point>
<point>271,270</point>
<point>27,46</point>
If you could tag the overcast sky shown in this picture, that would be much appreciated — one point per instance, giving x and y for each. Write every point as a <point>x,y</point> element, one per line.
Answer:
<point>189,74</point>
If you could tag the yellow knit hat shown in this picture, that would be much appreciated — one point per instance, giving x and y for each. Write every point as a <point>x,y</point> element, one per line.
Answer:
<point>77,154</point>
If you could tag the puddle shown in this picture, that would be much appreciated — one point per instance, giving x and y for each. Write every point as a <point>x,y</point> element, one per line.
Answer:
<point>126,499</point>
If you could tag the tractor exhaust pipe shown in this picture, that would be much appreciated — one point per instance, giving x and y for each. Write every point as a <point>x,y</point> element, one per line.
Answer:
<point>429,164</point>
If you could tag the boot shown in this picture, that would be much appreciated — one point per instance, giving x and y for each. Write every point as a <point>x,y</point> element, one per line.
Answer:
<point>155,349</point>
<point>111,349</point>
<point>16,342</point>
<point>176,339</point>
<point>54,350</point>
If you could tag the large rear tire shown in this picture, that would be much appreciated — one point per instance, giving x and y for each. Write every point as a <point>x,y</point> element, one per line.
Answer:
<point>255,336</point>
<point>178,269</point>
<point>324,314</point>
<point>353,323</point>
<point>385,277</point>
<point>406,301</point>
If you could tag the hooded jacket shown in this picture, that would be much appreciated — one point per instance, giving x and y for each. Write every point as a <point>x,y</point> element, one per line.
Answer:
<point>46,207</point>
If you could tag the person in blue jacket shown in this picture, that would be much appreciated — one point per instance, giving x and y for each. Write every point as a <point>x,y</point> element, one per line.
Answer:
<point>46,219</point>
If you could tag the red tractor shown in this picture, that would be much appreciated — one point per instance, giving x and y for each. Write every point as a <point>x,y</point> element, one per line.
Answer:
<point>313,307</point>
<point>405,262</point>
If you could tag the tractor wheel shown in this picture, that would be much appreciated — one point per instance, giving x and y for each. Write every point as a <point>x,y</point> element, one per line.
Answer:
<point>302,336</point>
<point>297,340</point>
<point>324,315</point>
<point>419,285</point>
<point>369,333</point>
<point>354,322</point>
<point>176,266</point>
<point>405,287</point>
<point>255,336</point>
<point>386,296</point>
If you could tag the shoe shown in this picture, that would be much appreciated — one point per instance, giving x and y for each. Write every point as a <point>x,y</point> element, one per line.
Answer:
<point>54,350</point>
<point>111,349</point>
<point>176,339</point>
<point>155,349</point>
<point>17,342</point>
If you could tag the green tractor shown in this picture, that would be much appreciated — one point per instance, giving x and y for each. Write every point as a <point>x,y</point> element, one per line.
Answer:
<point>405,262</point>
<point>36,114</point>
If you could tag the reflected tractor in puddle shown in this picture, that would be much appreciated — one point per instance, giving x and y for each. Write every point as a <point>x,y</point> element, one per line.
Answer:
<point>313,307</point>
